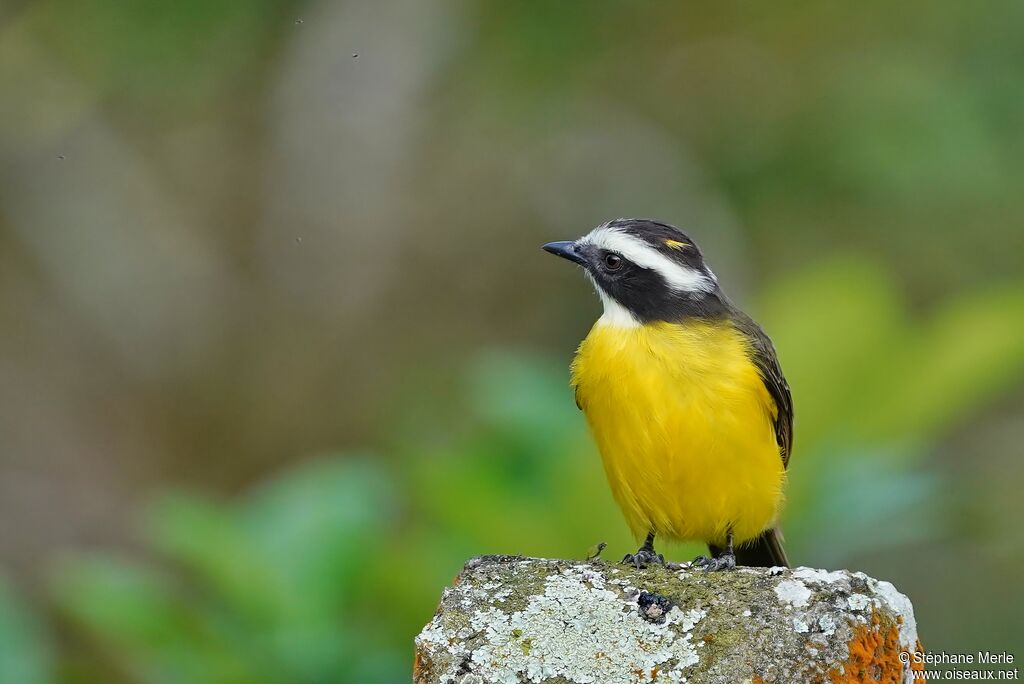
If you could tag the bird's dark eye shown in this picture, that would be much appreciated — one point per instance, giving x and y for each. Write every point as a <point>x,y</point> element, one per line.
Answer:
<point>612,261</point>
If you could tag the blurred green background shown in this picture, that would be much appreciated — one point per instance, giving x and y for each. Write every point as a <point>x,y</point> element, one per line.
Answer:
<point>279,349</point>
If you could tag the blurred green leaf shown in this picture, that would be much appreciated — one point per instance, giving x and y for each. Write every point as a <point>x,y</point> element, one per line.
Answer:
<point>149,625</point>
<point>855,500</point>
<point>972,350</point>
<point>269,582</point>
<point>834,325</point>
<point>315,527</point>
<point>25,651</point>
<point>207,540</point>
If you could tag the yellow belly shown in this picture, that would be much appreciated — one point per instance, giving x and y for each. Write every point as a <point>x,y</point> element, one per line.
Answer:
<point>684,426</point>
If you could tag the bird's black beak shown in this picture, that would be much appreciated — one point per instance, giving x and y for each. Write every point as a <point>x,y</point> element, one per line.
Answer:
<point>567,250</point>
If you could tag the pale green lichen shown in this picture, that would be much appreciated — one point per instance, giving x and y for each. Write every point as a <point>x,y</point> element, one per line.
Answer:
<point>575,610</point>
<point>793,593</point>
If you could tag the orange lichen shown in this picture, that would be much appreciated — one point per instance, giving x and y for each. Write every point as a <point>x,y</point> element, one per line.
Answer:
<point>917,667</point>
<point>418,668</point>
<point>874,656</point>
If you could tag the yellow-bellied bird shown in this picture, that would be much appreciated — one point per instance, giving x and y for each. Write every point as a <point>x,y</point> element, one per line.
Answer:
<point>684,396</point>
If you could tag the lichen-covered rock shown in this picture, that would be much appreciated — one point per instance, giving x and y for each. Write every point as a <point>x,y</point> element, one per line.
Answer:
<point>509,619</point>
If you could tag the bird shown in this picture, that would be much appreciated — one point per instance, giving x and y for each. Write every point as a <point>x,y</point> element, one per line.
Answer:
<point>684,396</point>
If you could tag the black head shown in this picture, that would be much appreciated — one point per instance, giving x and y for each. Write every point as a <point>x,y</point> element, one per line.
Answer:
<point>644,271</point>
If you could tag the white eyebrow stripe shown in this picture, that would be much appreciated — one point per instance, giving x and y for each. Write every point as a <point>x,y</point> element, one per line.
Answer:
<point>677,276</point>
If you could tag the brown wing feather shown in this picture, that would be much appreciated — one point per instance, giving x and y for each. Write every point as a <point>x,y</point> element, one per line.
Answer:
<point>774,381</point>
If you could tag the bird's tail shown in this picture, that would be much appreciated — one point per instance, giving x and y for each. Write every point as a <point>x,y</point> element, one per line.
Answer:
<point>764,551</point>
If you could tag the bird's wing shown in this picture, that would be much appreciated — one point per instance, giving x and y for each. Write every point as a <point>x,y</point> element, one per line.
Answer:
<point>767,363</point>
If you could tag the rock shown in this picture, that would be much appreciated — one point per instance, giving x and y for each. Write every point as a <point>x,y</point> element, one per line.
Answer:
<point>509,619</point>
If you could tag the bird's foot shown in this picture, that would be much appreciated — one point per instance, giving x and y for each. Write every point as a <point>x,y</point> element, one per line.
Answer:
<point>643,557</point>
<point>722,562</point>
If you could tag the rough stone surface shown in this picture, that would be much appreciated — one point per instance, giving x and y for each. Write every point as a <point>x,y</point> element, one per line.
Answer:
<point>509,619</point>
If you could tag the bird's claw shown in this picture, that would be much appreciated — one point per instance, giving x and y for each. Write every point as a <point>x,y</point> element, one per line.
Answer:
<point>643,557</point>
<point>723,562</point>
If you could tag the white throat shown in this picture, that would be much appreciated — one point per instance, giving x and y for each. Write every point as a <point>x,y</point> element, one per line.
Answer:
<point>615,315</point>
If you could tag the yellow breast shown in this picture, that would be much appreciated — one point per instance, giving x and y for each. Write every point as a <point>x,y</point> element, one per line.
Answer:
<point>684,426</point>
